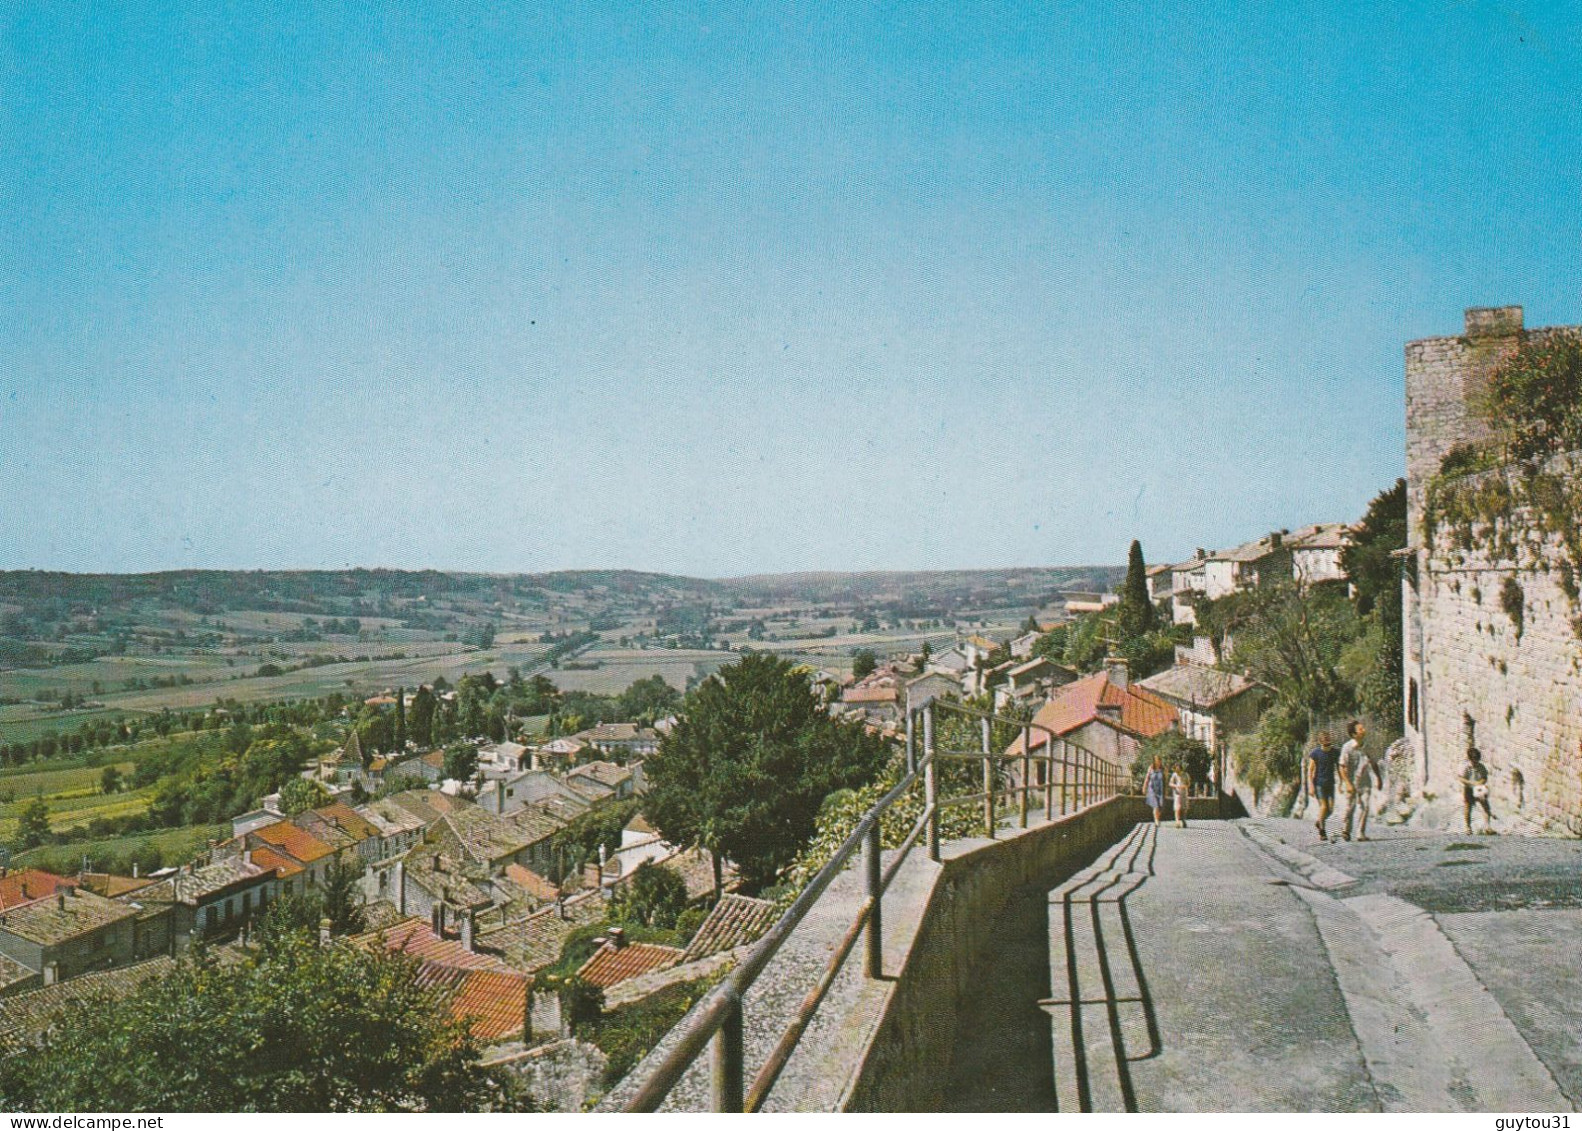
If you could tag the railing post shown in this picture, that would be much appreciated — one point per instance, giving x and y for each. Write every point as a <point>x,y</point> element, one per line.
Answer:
<point>1065,775</point>
<point>727,1066</point>
<point>871,851</point>
<point>930,785</point>
<point>988,784</point>
<point>911,740</point>
<point>1027,768</point>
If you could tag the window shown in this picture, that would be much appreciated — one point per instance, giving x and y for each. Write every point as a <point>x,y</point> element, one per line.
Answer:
<point>1411,704</point>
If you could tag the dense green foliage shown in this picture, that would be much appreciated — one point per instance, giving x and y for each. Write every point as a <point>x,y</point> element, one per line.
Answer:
<point>654,897</point>
<point>863,663</point>
<point>750,760</point>
<point>1173,749</point>
<point>292,1028</point>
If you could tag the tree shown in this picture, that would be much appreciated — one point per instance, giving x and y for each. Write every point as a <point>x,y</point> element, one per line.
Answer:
<point>748,763</point>
<point>110,780</point>
<point>421,723</point>
<point>461,761</point>
<point>294,1027</point>
<point>1135,615</point>
<point>1374,662</point>
<point>300,794</point>
<point>32,827</point>
<point>343,898</point>
<point>863,663</point>
<point>1373,573</point>
<point>654,897</point>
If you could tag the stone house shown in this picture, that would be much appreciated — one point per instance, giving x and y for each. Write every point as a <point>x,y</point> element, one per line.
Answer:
<point>1315,552</point>
<point>1105,713</point>
<point>1211,705</point>
<point>68,932</point>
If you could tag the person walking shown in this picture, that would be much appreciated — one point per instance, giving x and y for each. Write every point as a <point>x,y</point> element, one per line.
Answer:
<point>1475,790</point>
<point>1154,789</point>
<point>1321,762</point>
<point>1179,783</point>
<point>1358,776</point>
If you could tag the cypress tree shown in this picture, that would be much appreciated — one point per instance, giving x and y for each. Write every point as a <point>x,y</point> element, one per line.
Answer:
<point>1136,610</point>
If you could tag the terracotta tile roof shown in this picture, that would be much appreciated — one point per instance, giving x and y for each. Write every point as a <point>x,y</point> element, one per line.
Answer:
<point>14,974</point>
<point>28,1015</point>
<point>1138,712</point>
<point>293,840</point>
<point>65,915</point>
<point>486,837</point>
<point>735,921</point>
<point>1196,685</point>
<point>611,964</point>
<point>283,865</point>
<point>493,1000</point>
<point>536,941</point>
<point>588,787</point>
<point>26,885</point>
<point>639,824</point>
<point>390,817</point>
<point>424,804</point>
<point>347,819</point>
<point>536,823</point>
<point>605,773</point>
<point>415,937</point>
<point>531,882</point>
<point>110,885</point>
<point>870,695</point>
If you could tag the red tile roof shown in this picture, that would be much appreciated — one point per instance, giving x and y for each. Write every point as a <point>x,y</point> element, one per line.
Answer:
<point>537,886</point>
<point>735,921</point>
<point>611,964</point>
<point>296,842</point>
<point>870,695</point>
<point>493,1000</point>
<point>283,865</point>
<point>1136,711</point>
<point>26,885</point>
<point>347,819</point>
<point>417,938</point>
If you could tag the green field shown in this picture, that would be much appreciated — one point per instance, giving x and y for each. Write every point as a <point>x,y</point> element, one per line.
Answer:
<point>24,722</point>
<point>175,844</point>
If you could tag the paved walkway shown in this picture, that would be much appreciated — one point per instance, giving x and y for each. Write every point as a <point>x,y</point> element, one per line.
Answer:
<point>1224,966</point>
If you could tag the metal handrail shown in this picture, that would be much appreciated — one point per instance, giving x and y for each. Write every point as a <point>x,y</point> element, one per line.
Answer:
<point>1085,779</point>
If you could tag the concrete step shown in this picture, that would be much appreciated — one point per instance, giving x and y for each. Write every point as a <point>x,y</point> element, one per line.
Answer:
<point>1096,1009</point>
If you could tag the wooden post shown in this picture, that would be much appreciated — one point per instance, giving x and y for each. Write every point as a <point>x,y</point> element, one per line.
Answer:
<point>930,784</point>
<point>1027,768</point>
<point>988,784</point>
<point>875,937</point>
<point>727,1068</point>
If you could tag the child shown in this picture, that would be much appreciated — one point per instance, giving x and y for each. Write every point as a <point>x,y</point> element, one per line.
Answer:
<point>1475,790</point>
<point>1154,788</point>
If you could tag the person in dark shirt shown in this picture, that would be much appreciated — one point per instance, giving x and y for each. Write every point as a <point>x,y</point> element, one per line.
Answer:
<point>1321,762</point>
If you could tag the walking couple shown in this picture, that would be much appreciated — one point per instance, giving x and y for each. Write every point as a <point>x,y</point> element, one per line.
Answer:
<point>1154,790</point>
<point>1357,773</point>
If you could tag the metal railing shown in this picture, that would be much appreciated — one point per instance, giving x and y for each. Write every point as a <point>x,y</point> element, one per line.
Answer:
<point>1039,764</point>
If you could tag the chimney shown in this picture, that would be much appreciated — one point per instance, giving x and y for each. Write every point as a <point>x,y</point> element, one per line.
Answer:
<point>1117,669</point>
<point>324,932</point>
<point>1276,538</point>
<point>134,869</point>
<point>1199,554</point>
<point>1493,321</point>
<point>436,917</point>
<point>560,906</point>
<point>437,865</point>
<point>617,937</point>
<point>467,929</point>
<point>60,897</point>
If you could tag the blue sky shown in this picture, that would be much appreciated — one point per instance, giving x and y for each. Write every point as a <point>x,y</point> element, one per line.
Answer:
<point>720,290</point>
